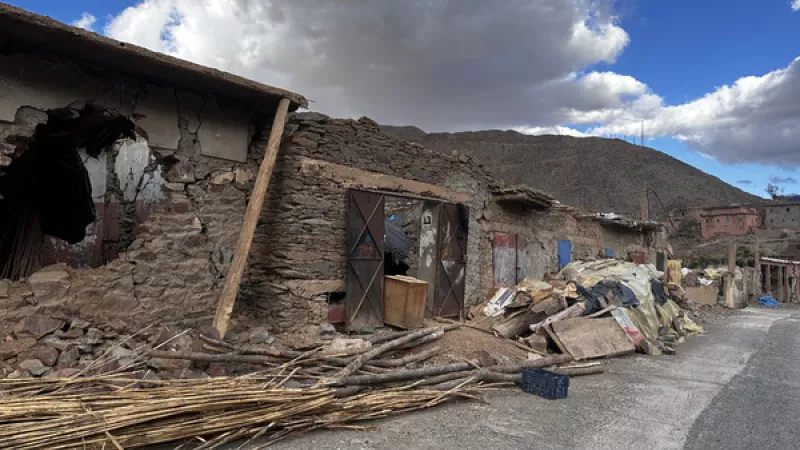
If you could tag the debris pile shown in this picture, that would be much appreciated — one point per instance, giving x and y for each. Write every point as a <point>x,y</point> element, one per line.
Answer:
<point>71,384</point>
<point>291,393</point>
<point>596,309</point>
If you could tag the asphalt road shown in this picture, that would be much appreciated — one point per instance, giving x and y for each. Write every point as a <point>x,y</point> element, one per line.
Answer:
<point>735,386</point>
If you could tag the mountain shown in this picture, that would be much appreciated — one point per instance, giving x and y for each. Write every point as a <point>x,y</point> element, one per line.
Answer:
<point>595,174</point>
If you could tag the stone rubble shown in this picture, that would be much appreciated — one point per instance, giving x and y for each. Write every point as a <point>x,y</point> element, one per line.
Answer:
<point>64,347</point>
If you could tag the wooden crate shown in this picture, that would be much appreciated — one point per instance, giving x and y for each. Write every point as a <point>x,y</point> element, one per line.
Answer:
<point>404,301</point>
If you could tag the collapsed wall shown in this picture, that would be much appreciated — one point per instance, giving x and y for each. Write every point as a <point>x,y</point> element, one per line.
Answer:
<point>167,215</point>
<point>169,212</point>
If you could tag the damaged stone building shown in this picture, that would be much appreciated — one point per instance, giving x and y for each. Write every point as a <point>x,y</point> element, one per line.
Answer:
<point>125,176</point>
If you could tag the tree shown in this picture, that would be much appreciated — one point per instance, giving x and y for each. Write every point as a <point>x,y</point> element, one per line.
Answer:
<point>774,191</point>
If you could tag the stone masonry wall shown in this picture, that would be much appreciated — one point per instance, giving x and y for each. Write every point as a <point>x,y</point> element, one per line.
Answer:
<point>300,248</point>
<point>543,229</point>
<point>180,242</point>
<point>178,256</point>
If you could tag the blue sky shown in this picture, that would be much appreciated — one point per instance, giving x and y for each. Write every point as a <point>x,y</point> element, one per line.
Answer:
<point>683,49</point>
<point>674,53</point>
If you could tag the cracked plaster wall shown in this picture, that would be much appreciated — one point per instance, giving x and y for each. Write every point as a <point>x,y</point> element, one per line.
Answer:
<point>169,215</point>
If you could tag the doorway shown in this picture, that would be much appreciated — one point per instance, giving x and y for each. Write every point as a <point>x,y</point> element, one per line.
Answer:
<point>392,234</point>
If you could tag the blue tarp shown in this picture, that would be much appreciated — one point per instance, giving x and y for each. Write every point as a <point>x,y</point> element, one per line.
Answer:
<point>396,240</point>
<point>766,300</point>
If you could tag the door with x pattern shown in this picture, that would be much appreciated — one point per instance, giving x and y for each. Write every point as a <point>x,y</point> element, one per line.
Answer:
<point>365,245</point>
<point>452,263</point>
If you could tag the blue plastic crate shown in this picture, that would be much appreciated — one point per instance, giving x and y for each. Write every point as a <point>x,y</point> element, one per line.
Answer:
<point>550,385</point>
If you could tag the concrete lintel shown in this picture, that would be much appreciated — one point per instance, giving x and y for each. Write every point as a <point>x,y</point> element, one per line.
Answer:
<point>351,177</point>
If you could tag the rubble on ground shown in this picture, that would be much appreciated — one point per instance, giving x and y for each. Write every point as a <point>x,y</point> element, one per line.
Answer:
<point>634,295</point>
<point>568,323</point>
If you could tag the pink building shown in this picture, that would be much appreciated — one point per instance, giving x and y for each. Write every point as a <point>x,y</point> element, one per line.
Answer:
<point>730,220</point>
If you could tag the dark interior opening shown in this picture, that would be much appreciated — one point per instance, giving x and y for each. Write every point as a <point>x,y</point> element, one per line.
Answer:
<point>402,223</point>
<point>394,264</point>
<point>46,190</point>
<point>335,297</point>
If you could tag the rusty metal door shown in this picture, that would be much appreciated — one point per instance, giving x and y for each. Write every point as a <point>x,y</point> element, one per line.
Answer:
<point>452,263</point>
<point>365,235</point>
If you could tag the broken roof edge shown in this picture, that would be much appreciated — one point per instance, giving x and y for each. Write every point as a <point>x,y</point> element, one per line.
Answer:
<point>624,222</point>
<point>47,35</point>
<point>522,194</point>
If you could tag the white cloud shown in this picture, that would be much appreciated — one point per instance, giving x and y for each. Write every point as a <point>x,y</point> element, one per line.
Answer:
<point>755,119</point>
<point>444,64</point>
<point>86,22</point>
<point>796,5</point>
<point>557,130</point>
<point>468,64</point>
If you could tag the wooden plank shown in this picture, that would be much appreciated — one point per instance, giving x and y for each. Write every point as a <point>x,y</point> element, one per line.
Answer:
<point>234,277</point>
<point>518,324</point>
<point>555,339</point>
<point>592,338</point>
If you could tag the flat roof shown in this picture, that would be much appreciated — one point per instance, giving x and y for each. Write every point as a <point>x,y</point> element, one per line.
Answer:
<point>26,31</point>
<point>780,205</point>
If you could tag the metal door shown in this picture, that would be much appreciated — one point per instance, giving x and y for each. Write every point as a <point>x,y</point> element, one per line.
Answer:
<point>511,259</point>
<point>504,254</point>
<point>452,263</point>
<point>365,235</point>
<point>564,253</point>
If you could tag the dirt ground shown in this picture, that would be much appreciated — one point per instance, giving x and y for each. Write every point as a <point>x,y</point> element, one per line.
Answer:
<point>466,343</point>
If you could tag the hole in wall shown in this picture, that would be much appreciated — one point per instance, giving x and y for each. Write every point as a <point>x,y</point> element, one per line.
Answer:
<point>46,190</point>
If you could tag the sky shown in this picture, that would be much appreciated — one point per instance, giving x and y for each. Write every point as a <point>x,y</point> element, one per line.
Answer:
<point>713,83</point>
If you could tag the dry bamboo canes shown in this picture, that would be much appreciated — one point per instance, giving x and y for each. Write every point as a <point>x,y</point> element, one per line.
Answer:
<point>403,375</point>
<point>205,357</point>
<point>219,410</point>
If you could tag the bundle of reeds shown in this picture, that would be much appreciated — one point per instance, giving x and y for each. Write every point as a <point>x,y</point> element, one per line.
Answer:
<point>296,392</point>
<point>119,412</point>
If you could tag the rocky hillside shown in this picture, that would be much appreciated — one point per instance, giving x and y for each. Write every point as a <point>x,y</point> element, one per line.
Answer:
<point>595,174</point>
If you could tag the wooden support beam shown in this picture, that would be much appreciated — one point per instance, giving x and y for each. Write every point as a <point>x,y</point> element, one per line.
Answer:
<point>234,277</point>
<point>768,280</point>
<point>787,296</point>
<point>730,278</point>
<point>796,272</point>
<point>757,281</point>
